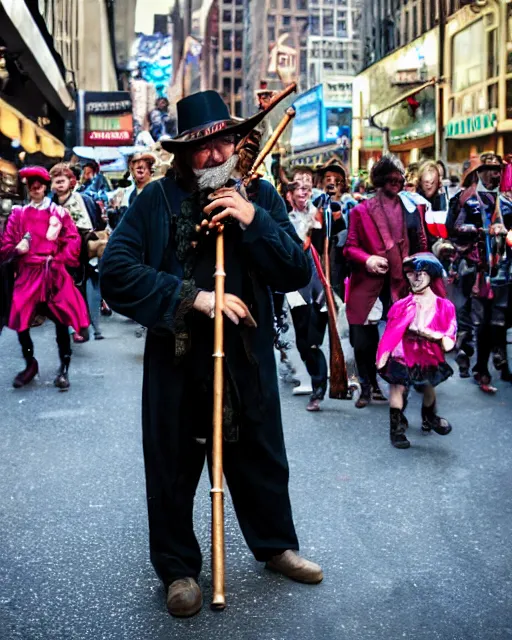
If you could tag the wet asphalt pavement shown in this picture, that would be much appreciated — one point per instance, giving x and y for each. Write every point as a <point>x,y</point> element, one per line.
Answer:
<point>414,544</point>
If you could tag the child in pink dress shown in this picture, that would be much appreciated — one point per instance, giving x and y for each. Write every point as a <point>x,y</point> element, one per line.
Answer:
<point>42,241</point>
<point>421,328</point>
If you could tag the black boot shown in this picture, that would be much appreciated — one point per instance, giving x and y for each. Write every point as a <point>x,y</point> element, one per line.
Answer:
<point>62,379</point>
<point>462,360</point>
<point>398,424</point>
<point>28,373</point>
<point>365,396</point>
<point>431,421</point>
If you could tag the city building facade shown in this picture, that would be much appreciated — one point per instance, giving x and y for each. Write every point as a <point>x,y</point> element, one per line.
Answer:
<point>35,100</point>
<point>436,80</point>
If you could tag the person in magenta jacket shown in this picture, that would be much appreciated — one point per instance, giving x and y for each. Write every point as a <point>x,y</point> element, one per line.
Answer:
<point>42,241</point>
<point>382,232</point>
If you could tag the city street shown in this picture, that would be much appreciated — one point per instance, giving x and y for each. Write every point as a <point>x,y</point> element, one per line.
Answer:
<point>414,544</point>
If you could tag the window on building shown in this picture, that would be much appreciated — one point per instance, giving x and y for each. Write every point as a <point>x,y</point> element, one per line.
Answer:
<point>406,27</point>
<point>239,2</point>
<point>314,25</point>
<point>468,65</point>
<point>287,21</point>
<point>342,29</point>
<point>271,34</point>
<point>238,85</point>
<point>226,40</point>
<point>302,5</point>
<point>509,99</point>
<point>509,38</point>
<point>238,109</point>
<point>414,22</point>
<point>239,16</point>
<point>238,63</point>
<point>340,66</point>
<point>239,41</point>
<point>328,66</point>
<point>226,86</point>
<point>328,23</point>
<point>303,62</point>
<point>492,54</point>
<point>492,96</point>
<point>424,17</point>
<point>227,16</point>
<point>226,64</point>
<point>286,4</point>
<point>273,4</point>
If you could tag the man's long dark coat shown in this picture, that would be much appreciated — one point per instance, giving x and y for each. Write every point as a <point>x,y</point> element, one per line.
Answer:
<point>151,273</point>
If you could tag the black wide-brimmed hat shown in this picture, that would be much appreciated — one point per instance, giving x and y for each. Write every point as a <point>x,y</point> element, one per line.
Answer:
<point>204,115</point>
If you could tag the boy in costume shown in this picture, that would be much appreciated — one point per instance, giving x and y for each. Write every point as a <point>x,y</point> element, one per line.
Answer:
<point>43,241</point>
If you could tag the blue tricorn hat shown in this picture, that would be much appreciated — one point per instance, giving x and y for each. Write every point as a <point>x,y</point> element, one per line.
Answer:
<point>424,261</point>
<point>204,115</point>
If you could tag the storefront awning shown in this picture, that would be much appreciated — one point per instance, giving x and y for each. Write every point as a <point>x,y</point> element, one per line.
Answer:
<point>15,126</point>
<point>419,143</point>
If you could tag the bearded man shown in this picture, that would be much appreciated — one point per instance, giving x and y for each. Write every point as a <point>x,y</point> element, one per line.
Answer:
<point>158,270</point>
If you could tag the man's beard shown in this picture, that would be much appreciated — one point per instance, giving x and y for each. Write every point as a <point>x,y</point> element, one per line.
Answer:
<point>215,177</point>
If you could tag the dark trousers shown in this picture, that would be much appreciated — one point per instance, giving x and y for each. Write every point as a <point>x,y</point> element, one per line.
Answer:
<point>365,341</point>
<point>255,468</point>
<point>464,342</point>
<point>61,333</point>
<point>489,336</point>
<point>310,326</point>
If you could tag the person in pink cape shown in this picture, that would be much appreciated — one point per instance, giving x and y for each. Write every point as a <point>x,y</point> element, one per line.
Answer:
<point>42,240</point>
<point>421,328</point>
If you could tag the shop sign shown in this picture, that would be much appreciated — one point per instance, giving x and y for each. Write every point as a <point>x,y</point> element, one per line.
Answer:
<point>105,118</point>
<point>474,125</point>
<point>338,92</point>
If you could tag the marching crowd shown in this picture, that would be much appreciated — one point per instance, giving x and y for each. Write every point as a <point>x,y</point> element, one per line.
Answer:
<point>357,236</point>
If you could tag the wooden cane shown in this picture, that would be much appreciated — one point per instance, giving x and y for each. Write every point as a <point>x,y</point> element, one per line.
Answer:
<point>287,118</point>
<point>217,491</point>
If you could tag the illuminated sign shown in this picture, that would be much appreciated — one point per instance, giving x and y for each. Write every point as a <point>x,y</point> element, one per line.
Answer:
<point>105,118</point>
<point>475,125</point>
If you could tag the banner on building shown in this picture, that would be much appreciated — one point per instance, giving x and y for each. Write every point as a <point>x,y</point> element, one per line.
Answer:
<point>318,122</point>
<point>105,118</point>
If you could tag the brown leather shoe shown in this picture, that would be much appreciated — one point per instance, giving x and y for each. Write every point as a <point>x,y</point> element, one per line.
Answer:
<point>291,565</point>
<point>184,598</point>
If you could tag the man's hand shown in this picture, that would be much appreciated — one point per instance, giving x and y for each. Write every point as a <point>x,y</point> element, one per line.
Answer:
<point>232,307</point>
<point>233,204</point>
<point>377,265</point>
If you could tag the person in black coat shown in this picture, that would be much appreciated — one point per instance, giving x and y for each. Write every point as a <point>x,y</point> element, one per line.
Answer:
<point>159,271</point>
